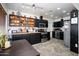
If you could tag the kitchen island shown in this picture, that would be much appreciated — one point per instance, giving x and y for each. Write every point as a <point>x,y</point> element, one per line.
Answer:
<point>31,37</point>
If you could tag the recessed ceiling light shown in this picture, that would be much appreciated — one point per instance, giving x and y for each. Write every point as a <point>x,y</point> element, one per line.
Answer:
<point>68,13</point>
<point>64,11</point>
<point>58,8</point>
<point>42,10</point>
<point>56,17</point>
<point>25,7</point>
<point>46,13</point>
<point>51,15</point>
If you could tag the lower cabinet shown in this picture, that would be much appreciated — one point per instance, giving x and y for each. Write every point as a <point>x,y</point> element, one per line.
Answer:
<point>57,34</point>
<point>53,34</point>
<point>33,38</point>
<point>48,35</point>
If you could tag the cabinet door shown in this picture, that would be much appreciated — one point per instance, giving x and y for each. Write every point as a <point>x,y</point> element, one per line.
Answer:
<point>53,34</point>
<point>74,13</point>
<point>74,31</point>
<point>36,23</point>
<point>35,38</point>
<point>48,35</point>
<point>74,38</point>
<point>27,37</point>
<point>46,23</point>
<point>16,37</point>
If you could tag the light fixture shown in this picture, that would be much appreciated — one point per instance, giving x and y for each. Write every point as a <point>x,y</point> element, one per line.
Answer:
<point>46,13</point>
<point>42,10</point>
<point>25,7</point>
<point>56,17</point>
<point>58,8</point>
<point>64,11</point>
<point>68,13</point>
<point>51,15</point>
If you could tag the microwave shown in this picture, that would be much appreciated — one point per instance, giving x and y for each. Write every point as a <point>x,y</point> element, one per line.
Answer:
<point>42,24</point>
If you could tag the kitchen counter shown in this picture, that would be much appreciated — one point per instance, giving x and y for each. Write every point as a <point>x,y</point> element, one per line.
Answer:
<point>24,33</point>
<point>32,37</point>
<point>20,48</point>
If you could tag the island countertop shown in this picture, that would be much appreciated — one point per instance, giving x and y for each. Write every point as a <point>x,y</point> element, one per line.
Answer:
<point>24,33</point>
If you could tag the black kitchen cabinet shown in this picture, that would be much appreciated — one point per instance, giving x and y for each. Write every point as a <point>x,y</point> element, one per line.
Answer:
<point>74,13</point>
<point>53,34</point>
<point>17,37</point>
<point>58,34</point>
<point>33,38</point>
<point>45,35</point>
<point>74,38</point>
<point>48,35</point>
<point>62,35</point>
<point>38,22</point>
<point>46,22</point>
<point>74,31</point>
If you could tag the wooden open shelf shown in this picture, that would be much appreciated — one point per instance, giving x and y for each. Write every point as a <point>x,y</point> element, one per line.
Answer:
<point>15,20</point>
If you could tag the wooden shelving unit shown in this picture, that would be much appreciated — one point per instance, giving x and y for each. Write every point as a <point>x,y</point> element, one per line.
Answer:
<point>31,22</point>
<point>15,20</point>
<point>23,21</point>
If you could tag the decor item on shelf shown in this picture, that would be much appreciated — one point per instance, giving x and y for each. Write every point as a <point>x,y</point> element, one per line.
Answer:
<point>23,29</point>
<point>41,17</point>
<point>18,13</point>
<point>31,22</point>
<point>13,13</point>
<point>35,17</point>
<point>31,29</point>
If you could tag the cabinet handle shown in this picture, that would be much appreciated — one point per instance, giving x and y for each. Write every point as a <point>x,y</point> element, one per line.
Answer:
<point>76,45</point>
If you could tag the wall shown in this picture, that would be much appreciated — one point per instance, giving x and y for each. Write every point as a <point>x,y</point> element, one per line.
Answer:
<point>6,17</point>
<point>2,19</point>
<point>5,7</point>
<point>50,27</point>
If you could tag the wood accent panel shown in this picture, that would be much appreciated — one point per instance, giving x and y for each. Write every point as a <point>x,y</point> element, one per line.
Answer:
<point>2,19</point>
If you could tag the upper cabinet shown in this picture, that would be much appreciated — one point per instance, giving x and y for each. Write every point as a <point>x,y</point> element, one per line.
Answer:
<point>74,13</point>
<point>41,23</point>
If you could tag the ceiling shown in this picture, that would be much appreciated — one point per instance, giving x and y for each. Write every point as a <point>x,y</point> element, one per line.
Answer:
<point>48,10</point>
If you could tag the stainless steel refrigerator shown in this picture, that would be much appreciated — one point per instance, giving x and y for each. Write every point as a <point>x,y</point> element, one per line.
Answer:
<point>67,33</point>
